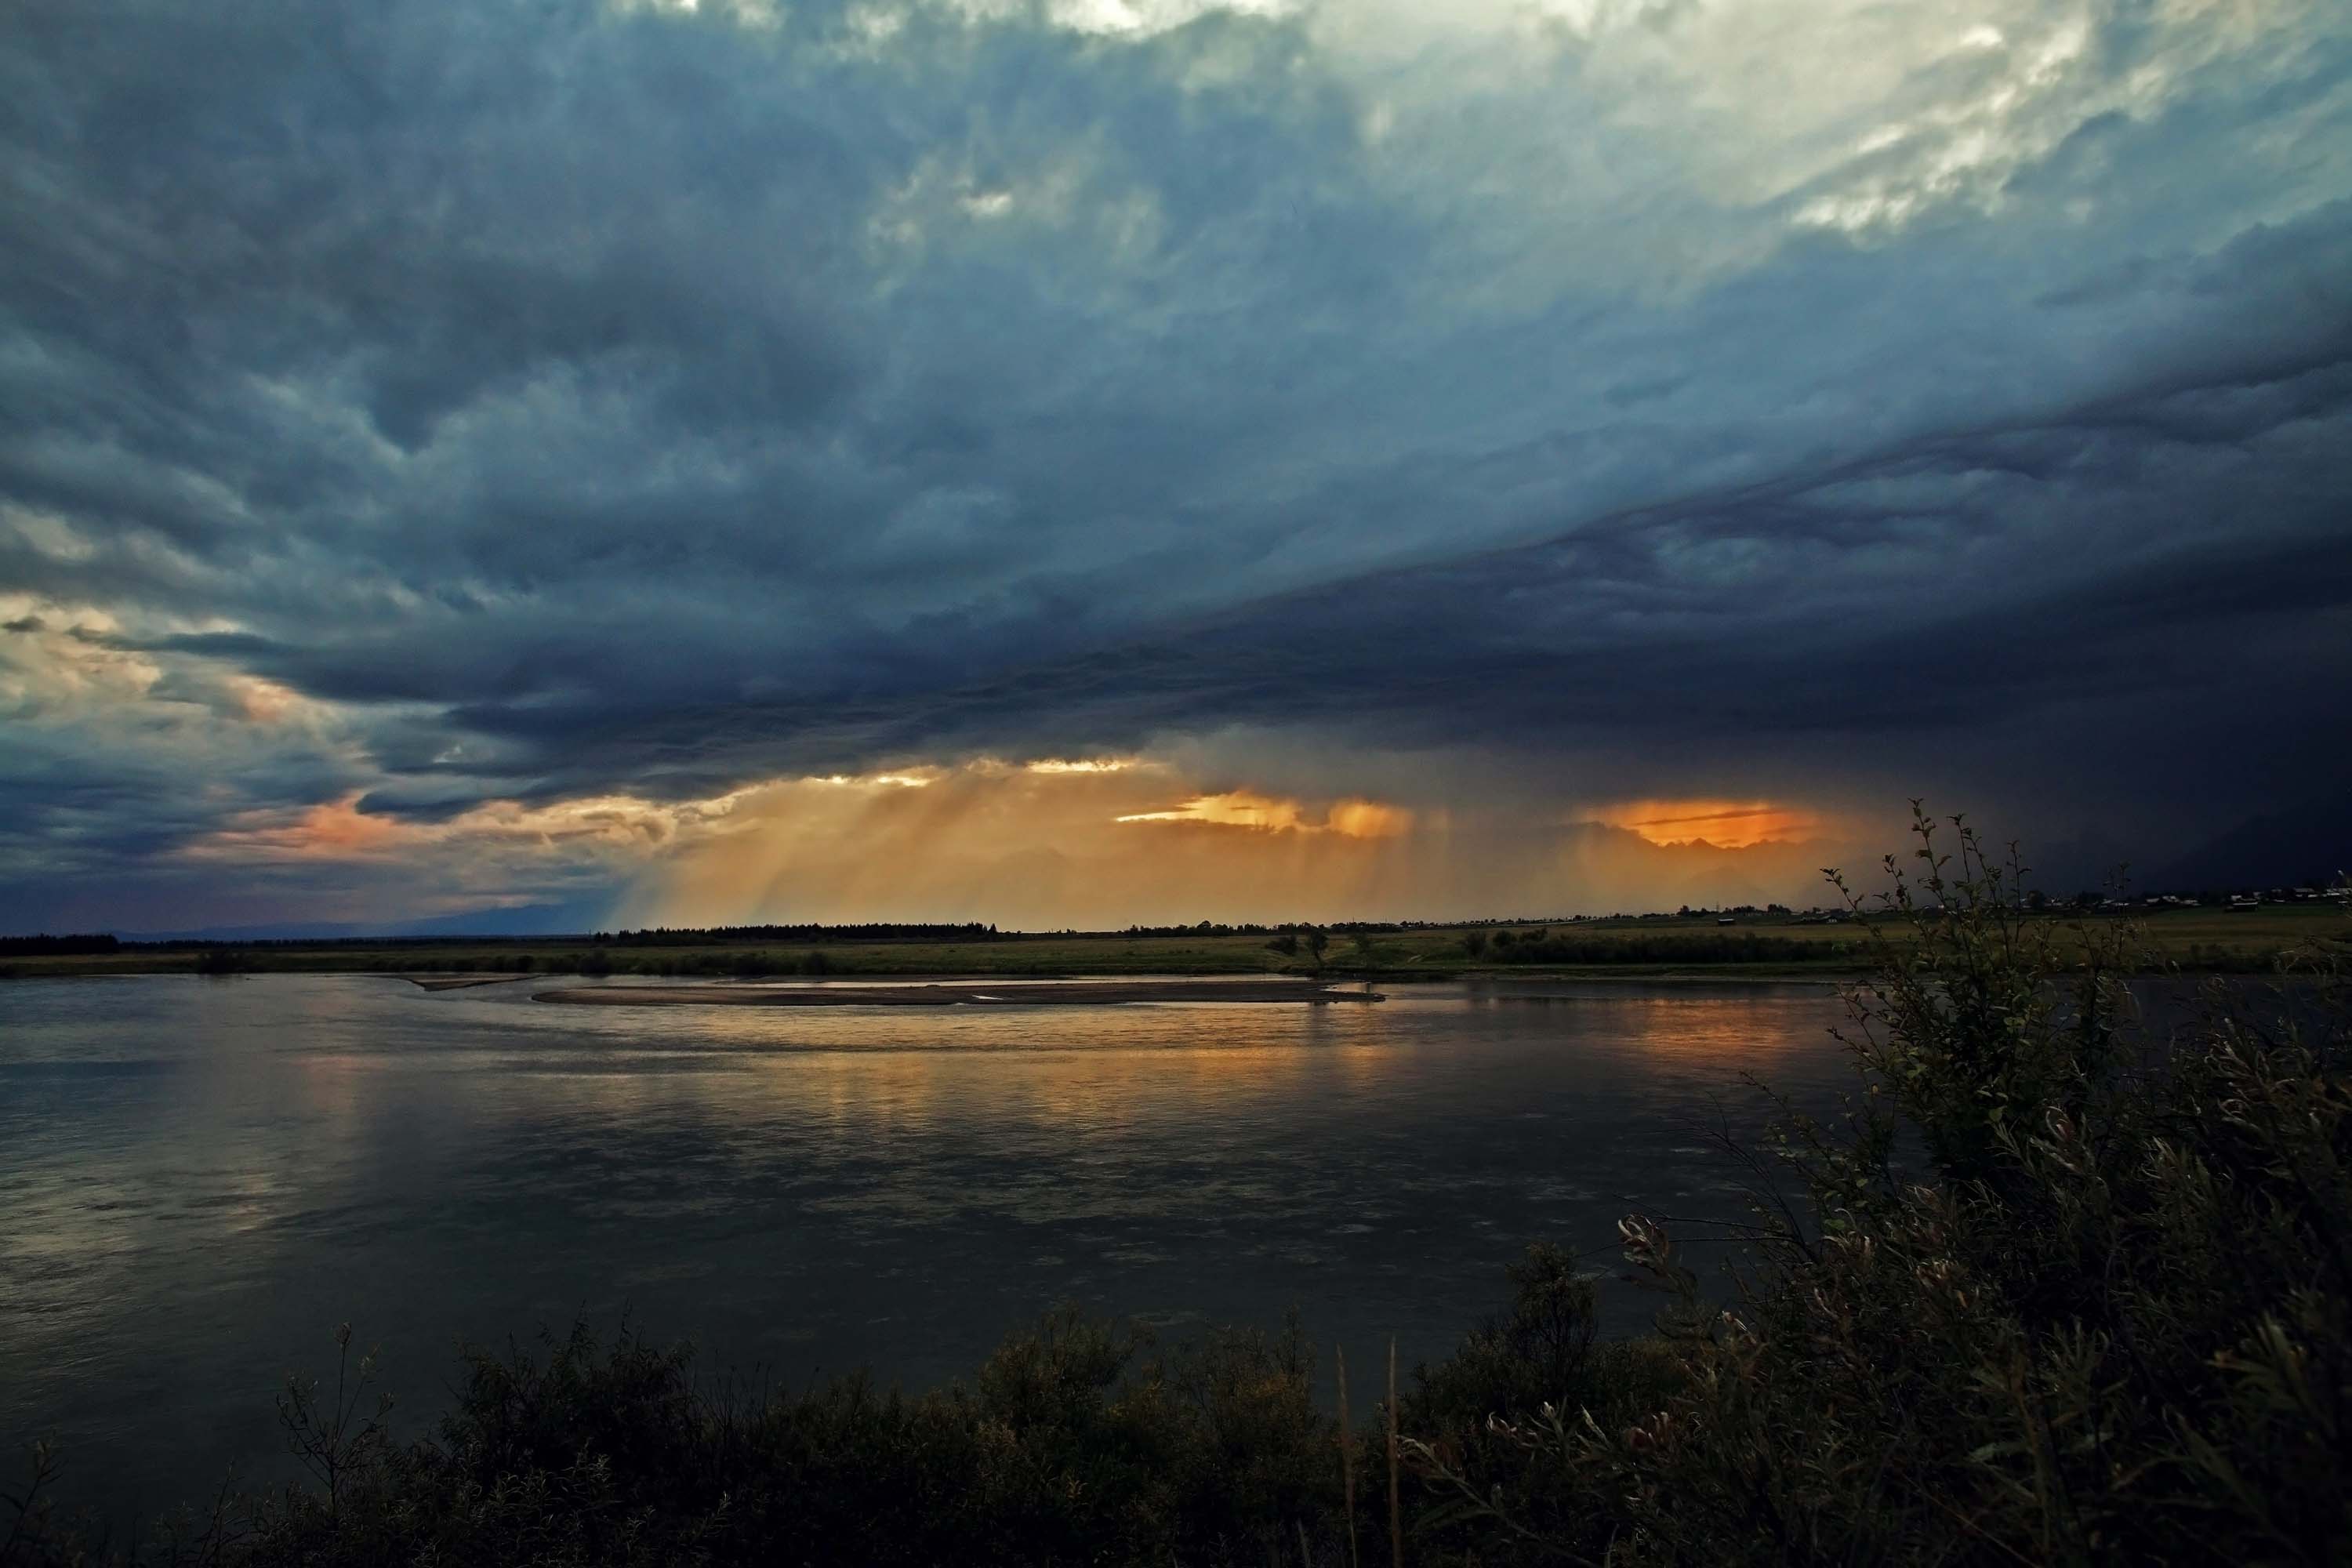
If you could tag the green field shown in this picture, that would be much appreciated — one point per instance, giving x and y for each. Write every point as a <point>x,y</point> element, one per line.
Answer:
<point>1652,946</point>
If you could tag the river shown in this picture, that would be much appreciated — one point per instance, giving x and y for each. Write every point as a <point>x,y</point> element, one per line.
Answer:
<point>200,1178</point>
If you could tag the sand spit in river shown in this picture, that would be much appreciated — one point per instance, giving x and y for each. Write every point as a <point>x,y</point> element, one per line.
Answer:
<point>1031,994</point>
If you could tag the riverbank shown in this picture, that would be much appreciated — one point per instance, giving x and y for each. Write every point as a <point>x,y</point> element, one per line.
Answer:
<point>1767,947</point>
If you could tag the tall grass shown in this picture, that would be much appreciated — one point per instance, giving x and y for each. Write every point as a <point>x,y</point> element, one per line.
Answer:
<point>2059,1284</point>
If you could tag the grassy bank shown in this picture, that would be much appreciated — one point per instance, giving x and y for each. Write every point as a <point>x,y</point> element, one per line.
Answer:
<point>2052,1291</point>
<point>1764,946</point>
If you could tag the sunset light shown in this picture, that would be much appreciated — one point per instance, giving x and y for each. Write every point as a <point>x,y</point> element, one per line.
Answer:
<point>1728,825</point>
<point>1243,808</point>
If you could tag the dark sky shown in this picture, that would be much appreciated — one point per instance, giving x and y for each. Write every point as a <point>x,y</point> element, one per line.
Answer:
<point>456,453</point>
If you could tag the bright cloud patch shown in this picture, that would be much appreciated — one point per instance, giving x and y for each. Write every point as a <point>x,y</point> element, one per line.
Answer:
<point>1730,825</point>
<point>1246,808</point>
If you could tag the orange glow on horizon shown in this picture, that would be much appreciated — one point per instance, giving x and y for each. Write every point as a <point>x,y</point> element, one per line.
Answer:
<point>1726,824</point>
<point>1368,819</point>
<point>1095,844</point>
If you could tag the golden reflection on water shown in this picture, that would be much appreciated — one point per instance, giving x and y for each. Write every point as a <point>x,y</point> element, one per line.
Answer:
<point>1736,1026</point>
<point>1053,1064</point>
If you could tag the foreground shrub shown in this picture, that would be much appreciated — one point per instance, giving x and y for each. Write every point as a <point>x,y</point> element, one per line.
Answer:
<point>2066,1289</point>
<point>1075,1442</point>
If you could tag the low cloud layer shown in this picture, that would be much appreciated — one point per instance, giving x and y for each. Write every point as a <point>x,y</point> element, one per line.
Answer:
<point>1040,849</point>
<point>447,415</point>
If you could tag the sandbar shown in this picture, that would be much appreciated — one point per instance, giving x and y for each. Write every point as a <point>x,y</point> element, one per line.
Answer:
<point>957,993</point>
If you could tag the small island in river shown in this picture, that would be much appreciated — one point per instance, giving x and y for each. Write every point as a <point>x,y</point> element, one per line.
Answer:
<point>954,994</point>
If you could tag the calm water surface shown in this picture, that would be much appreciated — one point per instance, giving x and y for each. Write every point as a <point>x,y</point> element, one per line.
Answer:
<point>200,1178</point>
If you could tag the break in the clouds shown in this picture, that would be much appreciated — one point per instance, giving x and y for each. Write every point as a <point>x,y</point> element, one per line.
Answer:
<point>456,453</point>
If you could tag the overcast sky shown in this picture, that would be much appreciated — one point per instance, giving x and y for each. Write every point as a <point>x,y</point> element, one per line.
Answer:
<point>456,453</point>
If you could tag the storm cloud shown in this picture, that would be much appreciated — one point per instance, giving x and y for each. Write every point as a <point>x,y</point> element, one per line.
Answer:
<point>467,413</point>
